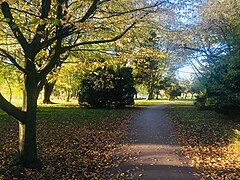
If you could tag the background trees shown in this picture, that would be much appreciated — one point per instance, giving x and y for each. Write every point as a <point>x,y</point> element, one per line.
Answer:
<point>41,33</point>
<point>217,42</point>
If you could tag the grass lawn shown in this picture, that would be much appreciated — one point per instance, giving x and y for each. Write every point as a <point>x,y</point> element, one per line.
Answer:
<point>208,140</point>
<point>73,142</point>
<point>145,103</point>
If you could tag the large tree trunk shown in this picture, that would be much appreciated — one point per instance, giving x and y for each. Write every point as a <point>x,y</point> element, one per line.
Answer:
<point>68,94</point>
<point>28,156</point>
<point>157,95</point>
<point>47,91</point>
<point>150,94</point>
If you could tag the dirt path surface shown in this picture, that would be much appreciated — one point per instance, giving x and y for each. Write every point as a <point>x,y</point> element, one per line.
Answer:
<point>153,152</point>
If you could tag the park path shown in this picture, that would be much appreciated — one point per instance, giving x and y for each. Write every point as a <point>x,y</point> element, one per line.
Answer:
<point>153,152</point>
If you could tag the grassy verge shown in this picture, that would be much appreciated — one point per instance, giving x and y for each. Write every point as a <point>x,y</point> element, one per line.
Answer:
<point>145,103</point>
<point>208,140</point>
<point>73,142</point>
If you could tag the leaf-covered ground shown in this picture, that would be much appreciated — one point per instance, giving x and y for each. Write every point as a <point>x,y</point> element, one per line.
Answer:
<point>74,143</point>
<point>208,141</point>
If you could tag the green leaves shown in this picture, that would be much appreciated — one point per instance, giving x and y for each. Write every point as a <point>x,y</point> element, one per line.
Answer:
<point>107,86</point>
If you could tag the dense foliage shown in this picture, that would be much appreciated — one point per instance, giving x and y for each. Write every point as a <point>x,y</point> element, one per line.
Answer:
<point>222,87</point>
<point>218,45</point>
<point>38,36</point>
<point>107,86</point>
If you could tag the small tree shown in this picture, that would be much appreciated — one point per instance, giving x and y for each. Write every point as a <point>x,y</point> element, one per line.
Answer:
<point>107,87</point>
<point>173,91</point>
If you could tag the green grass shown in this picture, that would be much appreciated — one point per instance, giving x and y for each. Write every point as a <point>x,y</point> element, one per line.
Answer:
<point>70,112</point>
<point>71,139</point>
<point>144,102</point>
<point>237,139</point>
<point>205,124</point>
<point>77,114</point>
<point>210,140</point>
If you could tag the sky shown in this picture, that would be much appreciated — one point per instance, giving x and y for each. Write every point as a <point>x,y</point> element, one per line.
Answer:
<point>185,72</point>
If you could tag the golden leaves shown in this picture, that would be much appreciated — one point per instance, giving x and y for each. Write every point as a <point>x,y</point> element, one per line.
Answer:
<point>207,141</point>
<point>8,1</point>
<point>69,147</point>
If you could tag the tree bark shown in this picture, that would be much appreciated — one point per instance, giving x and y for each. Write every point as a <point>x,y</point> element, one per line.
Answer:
<point>150,94</point>
<point>68,94</point>
<point>28,155</point>
<point>47,91</point>
<point>157,95</point>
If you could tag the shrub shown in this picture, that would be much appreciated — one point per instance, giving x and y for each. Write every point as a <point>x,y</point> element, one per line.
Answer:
<point>107,87</point>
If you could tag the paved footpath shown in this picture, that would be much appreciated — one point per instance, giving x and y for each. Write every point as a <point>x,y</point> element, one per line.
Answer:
<point>154,152</point>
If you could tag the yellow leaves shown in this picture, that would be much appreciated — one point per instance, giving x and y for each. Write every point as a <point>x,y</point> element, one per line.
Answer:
<point>68,148</point>
<point>214,162</point>
<point>207,143</point>
<point>8,1</point>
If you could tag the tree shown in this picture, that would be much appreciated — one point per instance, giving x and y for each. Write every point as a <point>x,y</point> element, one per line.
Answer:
<point>107,86</point>
<point>69,77</point>
<point>172,87</point>
<point>217,42</point>
<point>40,33</point>
<point>8,77</point>
<point>149,63</point>
<point>51,81</point>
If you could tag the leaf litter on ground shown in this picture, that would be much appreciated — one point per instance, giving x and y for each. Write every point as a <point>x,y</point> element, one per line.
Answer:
<point>72,144</point>
<point>207,140</point>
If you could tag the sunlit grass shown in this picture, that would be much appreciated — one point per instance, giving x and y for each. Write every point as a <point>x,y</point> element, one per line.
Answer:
<point>144,102</point>
<point>207,123</point>
<point>71,112</point>
<point>69,138</point>
<point>237,139</point>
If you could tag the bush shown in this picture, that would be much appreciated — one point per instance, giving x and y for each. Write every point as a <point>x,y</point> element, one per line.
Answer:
<point>221,87</point>
<point>173,92</point>
<point>107,87</point>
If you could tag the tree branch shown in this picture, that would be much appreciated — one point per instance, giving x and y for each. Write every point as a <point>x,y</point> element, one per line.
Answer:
<point>201,51</point>
<point>67,48</point>
<point>13,60</point>
<point>26,12</point>
<point>41,27</point>
<point>90,11</point>
<point>54,58</point>
<point>12,110</point>
<point>104,51</point>
<point>14,27</point>
<point>134,10</point>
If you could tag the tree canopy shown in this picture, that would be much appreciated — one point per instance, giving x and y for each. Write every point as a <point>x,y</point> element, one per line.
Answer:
<point>37,36</point>
<point>217,55</point>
